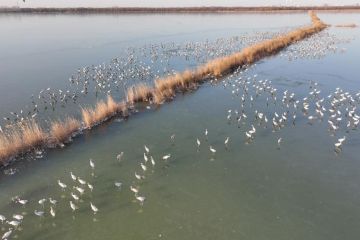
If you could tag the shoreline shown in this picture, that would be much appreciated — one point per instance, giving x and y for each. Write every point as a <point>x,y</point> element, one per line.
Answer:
<point>151,10</point>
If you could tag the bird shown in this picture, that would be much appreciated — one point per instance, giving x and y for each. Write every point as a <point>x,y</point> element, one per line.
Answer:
<point>134,189</point>
<point>81,181</point>
<point>152,161</point>
<point>92,164</point>
<point>91,187</point>
<point>80,190</point>
<point>74,196</point>
<point>226,141</point>
<point>143,167</point>
<point>73,177</point>
<point>14,223</point>
<point>42,201</point>
<point>52,201</point>
<point>2,218</point>
<point>94,208</point>
<point>62,185</point>
<point>166,157</point>
<point>213,150</point>
<point>119,156</point>
<point>146,149</point>
<point>7,234</point>
<point>141,199</point>
<point>39,213</point>
<point>18,217</point>
<point>198,142</point>
<point>73,206</point>
<point>145,157</point>
<point>52,212</point>
<point>118,184</point>
<point>279,142</point>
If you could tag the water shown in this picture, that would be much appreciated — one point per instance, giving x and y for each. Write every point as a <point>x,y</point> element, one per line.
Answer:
<point>304,190</point>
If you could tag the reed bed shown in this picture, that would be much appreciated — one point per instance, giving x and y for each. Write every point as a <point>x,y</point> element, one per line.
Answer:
<point>61,131</point>
<point>102,111</point>
<point>28,135</point>
<point>21,138</point>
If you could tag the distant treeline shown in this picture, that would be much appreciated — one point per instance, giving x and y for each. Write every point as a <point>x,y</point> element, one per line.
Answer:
<point>176,9</point>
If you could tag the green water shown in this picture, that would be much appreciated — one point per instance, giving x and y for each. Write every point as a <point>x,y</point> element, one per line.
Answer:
<point>257,190</point>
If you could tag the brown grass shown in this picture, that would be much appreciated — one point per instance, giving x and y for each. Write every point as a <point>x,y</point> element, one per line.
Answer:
<point>21,138</point>
<point>139,93</point>
<point>61,131</point>
<point>102,111</point>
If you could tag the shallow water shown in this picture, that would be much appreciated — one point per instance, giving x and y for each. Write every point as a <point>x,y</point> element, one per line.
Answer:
<point>302,190</point>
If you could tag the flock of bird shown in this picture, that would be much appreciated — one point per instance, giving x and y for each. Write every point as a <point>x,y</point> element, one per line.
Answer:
<point>153,61</point>
<point>260,105</point>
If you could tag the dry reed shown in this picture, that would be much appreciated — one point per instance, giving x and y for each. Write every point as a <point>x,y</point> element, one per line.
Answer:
<point>21,138</point>
<point>62,131</point>
<point>102,111</point>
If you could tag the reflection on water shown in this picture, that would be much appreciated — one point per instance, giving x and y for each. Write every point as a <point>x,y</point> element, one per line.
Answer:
<point>256,188</point>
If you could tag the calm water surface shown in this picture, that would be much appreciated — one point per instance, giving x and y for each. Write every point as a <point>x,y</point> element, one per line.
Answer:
<point>246,191</point>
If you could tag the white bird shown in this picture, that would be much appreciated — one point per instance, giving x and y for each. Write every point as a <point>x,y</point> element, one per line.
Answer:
<point>52,201</point>
<point>22,201</point>
<point>7,234</point>
<point>143,167</point>
<point>206,132</point>
<point>166,157</point>
<point>341,140</point>
<point>279,141</point>
<point>74,196</point>
<point>146,149</point>
<point>18,217</point>
<point>92,164</point>
<point>73,177</point>
<point>138,176</point>
<point>94,208</point>
<point>91,187</point>
<point>14,223</point>
<point>212,149</point>
<point>42,201</point>
<point>152,161</point>
<point>80,190</point>
<point>198,142</point>
<point>62,185</point>
<point>119,156</point>
<point>248,135</point>
<point>118,184</point>
<point>73,206</point>
<point>226,141</point>
<point>82,182</point>
<point>52,212</point>
<point>145,157</point>
<point>141,199</point>
<point>134,189</point>
<point>39,213</point>
<point>2,218</point>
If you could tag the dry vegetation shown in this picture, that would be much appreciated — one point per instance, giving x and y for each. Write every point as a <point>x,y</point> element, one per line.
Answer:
<point>28,135</point>
<point>21,138</point>
<point>102,111</point>
<point>62,131</point>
